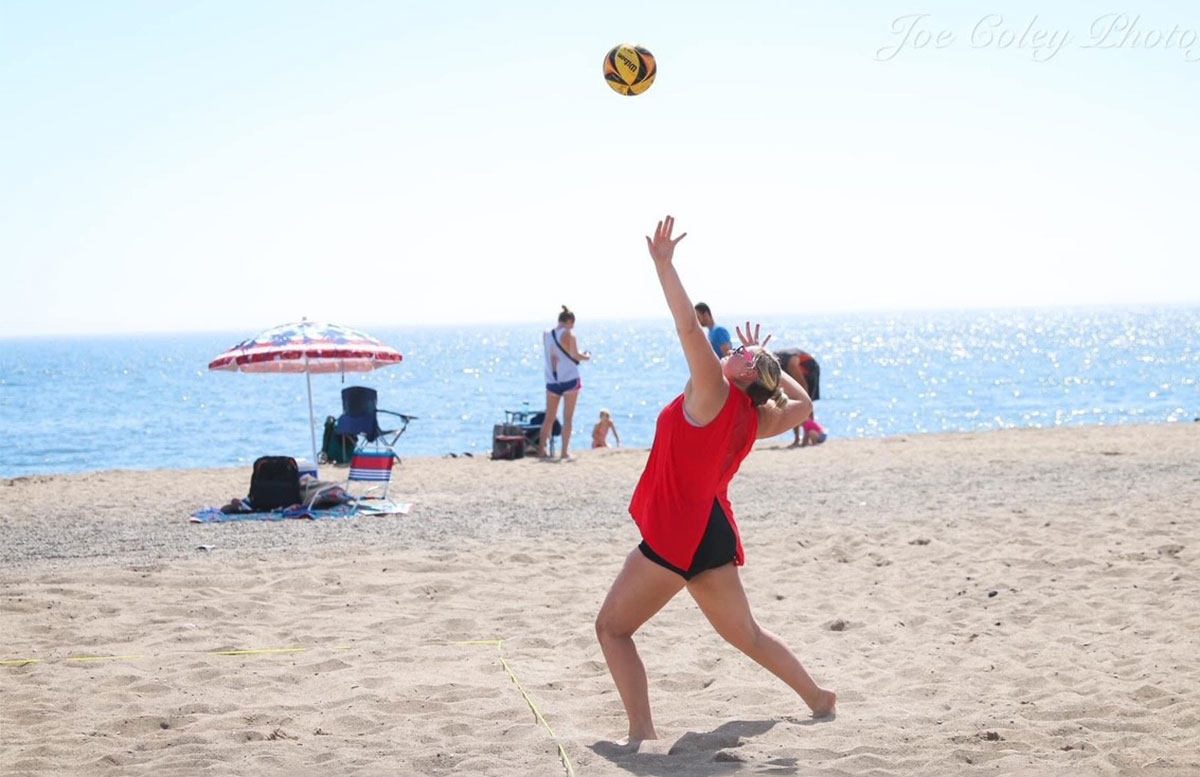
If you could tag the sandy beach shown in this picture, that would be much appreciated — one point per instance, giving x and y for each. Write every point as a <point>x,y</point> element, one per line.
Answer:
<point>1017,602</point>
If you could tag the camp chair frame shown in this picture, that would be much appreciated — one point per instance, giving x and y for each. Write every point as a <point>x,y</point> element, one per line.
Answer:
<point>404,420</point>
<point>530,422</point>
<point>533,432</point>
<point>382,439</point>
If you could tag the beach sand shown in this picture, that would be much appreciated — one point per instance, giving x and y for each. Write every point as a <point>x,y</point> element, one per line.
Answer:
<point>1016,602</point>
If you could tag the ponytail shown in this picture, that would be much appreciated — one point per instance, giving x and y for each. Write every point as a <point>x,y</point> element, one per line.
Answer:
<point>767,387</point>
<point>761,395</point>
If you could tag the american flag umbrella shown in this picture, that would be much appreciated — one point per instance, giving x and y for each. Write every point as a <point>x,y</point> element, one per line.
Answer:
<point>308,347</point>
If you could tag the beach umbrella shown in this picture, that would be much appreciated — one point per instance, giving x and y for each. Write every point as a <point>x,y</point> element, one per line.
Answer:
<point>308,347</point>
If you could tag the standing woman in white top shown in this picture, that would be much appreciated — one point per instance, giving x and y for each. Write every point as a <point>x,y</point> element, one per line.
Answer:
<point>562,380</point>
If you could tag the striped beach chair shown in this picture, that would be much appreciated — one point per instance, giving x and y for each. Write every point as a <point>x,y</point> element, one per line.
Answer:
<point>372,468</point>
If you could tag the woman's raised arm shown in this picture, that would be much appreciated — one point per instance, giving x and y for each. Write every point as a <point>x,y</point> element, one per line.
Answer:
<point>773,421</point>
<point>706,391</point>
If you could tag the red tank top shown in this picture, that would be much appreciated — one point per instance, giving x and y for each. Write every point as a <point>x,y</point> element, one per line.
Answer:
<point>689,466</point>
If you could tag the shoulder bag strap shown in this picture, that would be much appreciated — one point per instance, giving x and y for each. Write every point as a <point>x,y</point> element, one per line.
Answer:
<point>564,350</point>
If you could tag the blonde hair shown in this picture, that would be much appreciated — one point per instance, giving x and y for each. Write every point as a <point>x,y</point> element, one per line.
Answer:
<point>768,386</point>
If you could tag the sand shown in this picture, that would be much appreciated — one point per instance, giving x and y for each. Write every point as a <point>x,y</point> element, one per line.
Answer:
<point>1017,602</point>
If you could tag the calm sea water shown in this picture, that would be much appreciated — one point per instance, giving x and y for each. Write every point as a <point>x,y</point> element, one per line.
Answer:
<point>144,402</point>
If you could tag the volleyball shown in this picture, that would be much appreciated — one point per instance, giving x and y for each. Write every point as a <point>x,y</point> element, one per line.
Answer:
<point>629,69</point>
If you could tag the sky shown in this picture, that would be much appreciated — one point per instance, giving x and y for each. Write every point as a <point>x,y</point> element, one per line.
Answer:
<point>217,166</point>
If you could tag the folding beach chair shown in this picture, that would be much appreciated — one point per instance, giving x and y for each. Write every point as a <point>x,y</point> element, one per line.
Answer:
<point>360,416</point>
<point>527,423</point>
<point>533,432</point>
<point>373,468</point>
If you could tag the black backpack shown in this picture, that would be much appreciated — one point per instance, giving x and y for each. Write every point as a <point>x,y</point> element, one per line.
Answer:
<point>274,483</point>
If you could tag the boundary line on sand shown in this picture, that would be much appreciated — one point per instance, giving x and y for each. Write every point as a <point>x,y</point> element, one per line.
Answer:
<point>537,714</point>
<point>16,662</point>
<point>497,643</point>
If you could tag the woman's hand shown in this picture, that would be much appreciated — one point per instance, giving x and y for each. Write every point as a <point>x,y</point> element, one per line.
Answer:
<point>662,247</point>
<point>751,338</point>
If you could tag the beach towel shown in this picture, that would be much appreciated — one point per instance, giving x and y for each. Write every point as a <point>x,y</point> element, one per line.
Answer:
<point>215,515</point>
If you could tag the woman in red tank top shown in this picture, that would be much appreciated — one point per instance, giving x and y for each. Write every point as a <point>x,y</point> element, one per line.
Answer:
<point>681,503</point>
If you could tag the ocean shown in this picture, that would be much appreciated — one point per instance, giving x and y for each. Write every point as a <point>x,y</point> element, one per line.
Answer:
<point>148,401</point>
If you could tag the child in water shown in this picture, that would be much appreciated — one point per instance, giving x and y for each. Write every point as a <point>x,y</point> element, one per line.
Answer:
<point>600,431</point>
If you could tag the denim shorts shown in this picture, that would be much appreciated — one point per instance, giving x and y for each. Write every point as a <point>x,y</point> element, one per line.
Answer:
<point>563,388</point>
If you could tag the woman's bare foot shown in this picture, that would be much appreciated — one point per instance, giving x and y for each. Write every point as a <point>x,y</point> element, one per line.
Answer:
<point>826,706</point>
<point>635,740</point>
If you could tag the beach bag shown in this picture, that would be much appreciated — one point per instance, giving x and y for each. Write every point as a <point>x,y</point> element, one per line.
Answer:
<point>274,483</point>
<point>337,448</point>
<point>508,442</point>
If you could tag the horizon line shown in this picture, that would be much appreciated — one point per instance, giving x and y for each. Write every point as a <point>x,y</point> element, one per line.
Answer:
<point>1131,305</point>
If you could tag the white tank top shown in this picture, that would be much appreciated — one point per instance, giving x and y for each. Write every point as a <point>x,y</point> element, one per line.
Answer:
<point>559,367</point>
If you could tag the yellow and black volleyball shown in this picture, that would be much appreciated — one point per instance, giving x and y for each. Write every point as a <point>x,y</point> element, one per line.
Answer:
<point>629,69</point>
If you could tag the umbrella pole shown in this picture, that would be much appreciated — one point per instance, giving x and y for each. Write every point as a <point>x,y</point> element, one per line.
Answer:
<point>312,424</point>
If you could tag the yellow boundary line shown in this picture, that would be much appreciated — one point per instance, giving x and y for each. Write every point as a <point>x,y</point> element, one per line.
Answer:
<point>537,714</point>
<point>262,652</point>
<point>497,643</point>
<point>240,652</point>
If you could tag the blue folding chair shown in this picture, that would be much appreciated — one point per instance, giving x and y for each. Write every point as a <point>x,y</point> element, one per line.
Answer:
<point>533,431</point>
<point>360,417</point>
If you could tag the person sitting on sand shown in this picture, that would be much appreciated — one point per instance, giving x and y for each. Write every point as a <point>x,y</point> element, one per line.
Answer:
<point>602,428</point>
<point>681,503</point>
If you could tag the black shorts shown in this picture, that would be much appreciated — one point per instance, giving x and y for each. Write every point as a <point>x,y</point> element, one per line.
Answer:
<point>717,548</point>
<point>812,374</point>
